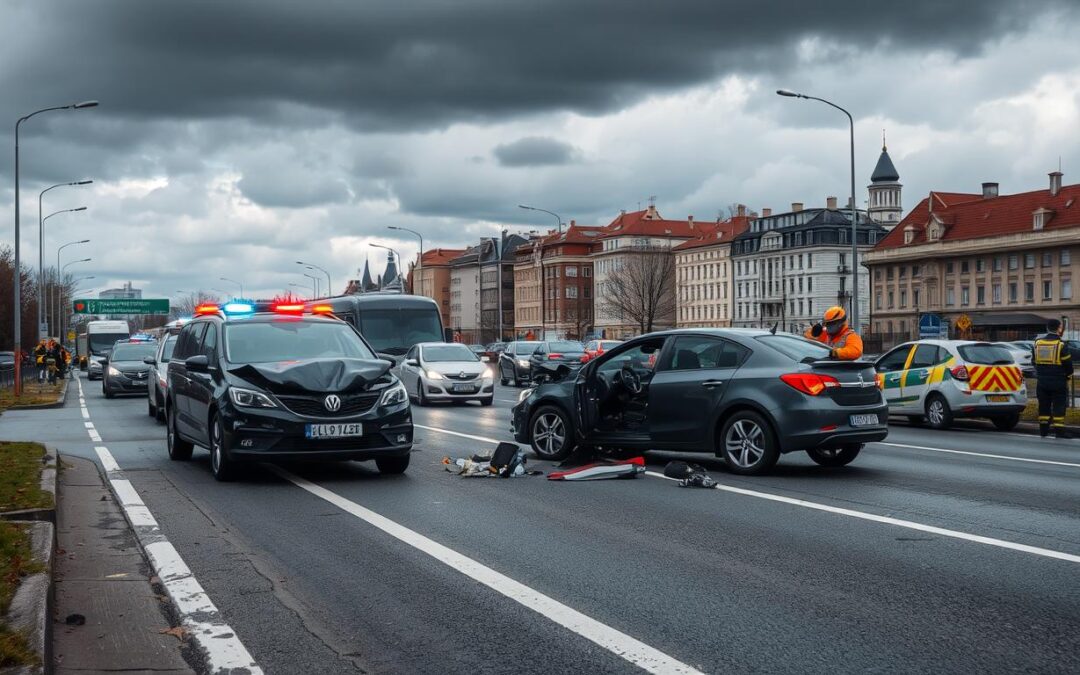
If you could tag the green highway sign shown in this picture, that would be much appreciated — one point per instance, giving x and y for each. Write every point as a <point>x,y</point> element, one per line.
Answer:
<point>121,306</point>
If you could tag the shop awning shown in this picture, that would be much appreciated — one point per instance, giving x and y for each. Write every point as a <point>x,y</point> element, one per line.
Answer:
<point>1000,320</point>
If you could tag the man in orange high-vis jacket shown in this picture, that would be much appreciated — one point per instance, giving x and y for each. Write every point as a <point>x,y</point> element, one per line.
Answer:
<point>837,335</point>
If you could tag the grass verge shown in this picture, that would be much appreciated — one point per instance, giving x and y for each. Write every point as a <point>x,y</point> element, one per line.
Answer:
<point>20,477</point>
<point>32,394</point>
<point>16,562</point>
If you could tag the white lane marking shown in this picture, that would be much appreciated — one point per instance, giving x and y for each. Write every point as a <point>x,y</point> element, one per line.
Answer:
<point>507,400</point>
<point>94,435</point>
<point>88,425</point>
<point>620,644</point>
<point>85,413</point>
<point>457,433</point>
<point>956,534</point>
<point>979,454</point>
<point>222,648</point>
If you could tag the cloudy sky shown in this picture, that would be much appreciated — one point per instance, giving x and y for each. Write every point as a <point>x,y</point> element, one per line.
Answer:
<point>235,138</point>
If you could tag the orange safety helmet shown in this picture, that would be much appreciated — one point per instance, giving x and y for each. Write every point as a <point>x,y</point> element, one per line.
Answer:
<point>835,315</point>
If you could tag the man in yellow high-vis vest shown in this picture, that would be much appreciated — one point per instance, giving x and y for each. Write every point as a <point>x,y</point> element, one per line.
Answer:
<point>1053,368</point>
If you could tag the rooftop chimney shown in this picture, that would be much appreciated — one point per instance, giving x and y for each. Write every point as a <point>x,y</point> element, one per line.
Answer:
<point>796,206</point>
<point>830,203</point>
<point>1055,182</point>
<point>766,212</point>
<point>742,210</point>
<point>690,220</point>
<point>990,190</point>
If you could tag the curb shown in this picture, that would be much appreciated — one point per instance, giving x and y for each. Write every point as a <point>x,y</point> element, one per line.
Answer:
<point>32,605</point>
<point>60,401</point>
<point>48,484</point>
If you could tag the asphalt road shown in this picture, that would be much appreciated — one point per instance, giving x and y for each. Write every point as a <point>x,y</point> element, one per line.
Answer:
<point>945,552</point>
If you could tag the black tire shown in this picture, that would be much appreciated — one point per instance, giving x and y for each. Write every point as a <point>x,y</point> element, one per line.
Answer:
<point>421,400</point>
<point>916,420</point>
<point>179,449</point>
<point>555,433</point>
<point>1006,422</point>
<point>841,456</point>
<point>502,380</point>
<point>938,413</point>
<point>748,444</point>
<point>151,408</point>
<point>221,464</point>
<point>393,465</point>
<point>105,391</point>
<point>487,401</point>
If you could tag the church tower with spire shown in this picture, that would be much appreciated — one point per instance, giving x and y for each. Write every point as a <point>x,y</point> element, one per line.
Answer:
<point>885,191</point>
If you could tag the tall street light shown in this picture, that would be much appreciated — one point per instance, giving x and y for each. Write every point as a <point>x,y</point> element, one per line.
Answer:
<point>42,230</point>
<point>536,208</point>
<point>854,223</point>
<point>41,246</point>
<point>314,284</point>
<point>418,235</point>
<point>59,296</point>
<point>312,266</point>
<point>17,280</point>
<point>234,281</point>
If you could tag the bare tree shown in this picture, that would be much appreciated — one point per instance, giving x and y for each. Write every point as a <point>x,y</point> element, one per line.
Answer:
<point>641,287</point>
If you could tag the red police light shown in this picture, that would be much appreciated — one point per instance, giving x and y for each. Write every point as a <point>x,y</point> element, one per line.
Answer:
<point>207,309</point>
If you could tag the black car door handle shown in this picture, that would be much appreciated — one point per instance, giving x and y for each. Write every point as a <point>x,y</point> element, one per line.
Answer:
<point>712,383</point>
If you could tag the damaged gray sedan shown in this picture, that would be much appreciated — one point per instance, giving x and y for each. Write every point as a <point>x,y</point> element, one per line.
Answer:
<point>747,396</point>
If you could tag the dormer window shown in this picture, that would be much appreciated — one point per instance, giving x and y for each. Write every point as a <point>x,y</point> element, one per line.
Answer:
<point>909,234</point>
<point>1039,218</point>
<point>933,231</point>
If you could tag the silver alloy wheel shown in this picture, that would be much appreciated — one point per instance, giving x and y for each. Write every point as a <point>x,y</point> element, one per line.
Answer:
<point>549,433</point>
<point>215,448</point>
<point>936,412</point>
<point>745,443</point>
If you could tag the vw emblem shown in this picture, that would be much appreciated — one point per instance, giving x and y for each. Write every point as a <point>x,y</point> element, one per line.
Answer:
<point>462,374</point>
<point>332,402</point>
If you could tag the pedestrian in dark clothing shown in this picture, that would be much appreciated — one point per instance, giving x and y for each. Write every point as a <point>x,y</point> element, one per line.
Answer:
<point>1054,369</point>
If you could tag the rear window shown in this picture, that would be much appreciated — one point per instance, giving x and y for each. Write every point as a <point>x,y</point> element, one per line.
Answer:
<point>985,354</point>
<point>796,348</point>
<point>565,347</point>
<point>525,347</point>
<point>132,352</point>
<point>441,353</point>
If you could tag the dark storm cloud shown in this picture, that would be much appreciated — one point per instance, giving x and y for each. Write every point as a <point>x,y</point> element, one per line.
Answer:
<point>426,63</point>
<point>535,151</point>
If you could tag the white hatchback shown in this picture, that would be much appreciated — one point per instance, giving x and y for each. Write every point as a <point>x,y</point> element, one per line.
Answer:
<point>446,371</point>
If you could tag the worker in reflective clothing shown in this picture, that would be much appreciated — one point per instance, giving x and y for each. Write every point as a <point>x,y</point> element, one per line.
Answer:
<point>837,335</point>
<point>1053,368</point>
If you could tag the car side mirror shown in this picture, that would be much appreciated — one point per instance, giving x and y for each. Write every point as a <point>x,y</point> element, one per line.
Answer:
<point>197,364</point>
<point>485,359</point>
<point>149,360</point>
<point>412,362</point>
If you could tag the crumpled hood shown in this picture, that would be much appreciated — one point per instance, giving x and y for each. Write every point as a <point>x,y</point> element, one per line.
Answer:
<point>314,375</point>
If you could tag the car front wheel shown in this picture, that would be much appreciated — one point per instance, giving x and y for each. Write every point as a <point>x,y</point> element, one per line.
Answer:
<point>841,456</point>
<point>222,466</point>
<point>748,444</point>
<point>549,434</point>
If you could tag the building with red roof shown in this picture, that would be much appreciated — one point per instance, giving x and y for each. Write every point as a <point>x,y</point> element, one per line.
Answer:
<point>431,278</point>
<point>553,284</point>
<point>1003,263</point>
<point>703,273</point>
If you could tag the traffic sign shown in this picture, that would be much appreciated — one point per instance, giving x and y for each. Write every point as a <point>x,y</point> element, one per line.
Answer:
<point>121,306</point>
<point>929,326</point>
<point>963,322</point>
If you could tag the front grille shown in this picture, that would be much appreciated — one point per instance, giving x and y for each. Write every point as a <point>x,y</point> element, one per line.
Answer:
<point>313,406</point>
<point>853,396</point>
<point>457,377</point>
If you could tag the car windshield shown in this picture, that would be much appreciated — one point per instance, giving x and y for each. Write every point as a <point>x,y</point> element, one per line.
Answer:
<point>566,346</point>
<point>525,347</point>
<point>796,348</point>
<point>102,342</point>
<point>132,352</point>
<point>442,353</point>
<point>395,331</point>
<point>609,344</point>
<point>985,354</point>
<point>292,341</point>
<point>167,350</point>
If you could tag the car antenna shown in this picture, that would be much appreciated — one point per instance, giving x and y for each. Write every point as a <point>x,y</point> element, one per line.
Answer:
<point>773,329</point>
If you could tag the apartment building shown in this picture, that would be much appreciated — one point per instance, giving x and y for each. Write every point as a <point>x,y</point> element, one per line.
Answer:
<point>553,289</point>
<point>704,276</point>
<point>999,264</point>
<point>465,295</point>
<point>431,278</point>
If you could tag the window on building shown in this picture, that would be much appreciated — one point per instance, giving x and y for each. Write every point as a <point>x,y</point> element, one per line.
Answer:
<point>980,295</point>
<point>571,291</point>
<point>916,270</point>
<point>949,267</point>
<point>903,270</point>
<point>903,299</point>
<point>964,267</point>
<point>1048,289</point>
<point>1048,258</point>
<point>950,296</point>
<point>809,260</point>
<point>889,273</point>
<point>965,295</point>
<point>997,263</point>
<point>571,270</point>
<point>1066,289</point>
<point>891,297</point>
<point>996,292</point>
<point>843,260</point>
<point>1014,262</point>
<point>586,271</point>
<point>1029,291</point>
<point>1012,292</point>
<point>915,297</point>
<point>1029,261</point>
<point>810,285</point>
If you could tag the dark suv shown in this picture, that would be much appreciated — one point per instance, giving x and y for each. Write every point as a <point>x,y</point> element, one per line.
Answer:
<point>271,386</point>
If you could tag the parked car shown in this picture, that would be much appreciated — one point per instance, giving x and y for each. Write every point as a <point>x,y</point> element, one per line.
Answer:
<point>514,362</point>
<point>938,381</point>
<point>746,395</point>
<point>157,377</point>
<point>1021,355</point>
<point>125,371</point>
<point>283,386</point>
<point>446,371</point>
<point>479,350</point>
<point>7,368</point>
<point>556,351</point>
<point>594,348</point>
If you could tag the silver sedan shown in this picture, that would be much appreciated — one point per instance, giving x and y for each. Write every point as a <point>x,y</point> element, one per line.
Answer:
<point>446,371</point>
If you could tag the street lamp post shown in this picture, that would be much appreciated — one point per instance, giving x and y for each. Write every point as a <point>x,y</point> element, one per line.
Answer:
<point>314,284</point>
<point>59,295</point>
<point>17,276</point>
<point>310,266</point>
<point>536,208</point>
<point>234,281</point>
<point>43,315</point>
<point>419,254</point>
<point>854,221</point>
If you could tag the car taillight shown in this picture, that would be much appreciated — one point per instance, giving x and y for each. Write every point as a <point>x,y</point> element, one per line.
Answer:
<point>959,373</point>
<point>288,308</point>
<point>810,383</point>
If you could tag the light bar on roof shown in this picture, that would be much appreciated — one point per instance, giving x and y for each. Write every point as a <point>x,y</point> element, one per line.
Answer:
<point>208,308</point>
<point>239,308</point>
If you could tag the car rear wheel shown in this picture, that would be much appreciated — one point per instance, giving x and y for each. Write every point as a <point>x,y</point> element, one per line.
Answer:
<point>392,465</point>
<point>1006,422</point>
<point>179,449</point>
<point>841,456</point>
<point>549,434</point>
<point>222,466</point>
<point>938,412</point>
<point>748,444</point>
<point>421,400</point>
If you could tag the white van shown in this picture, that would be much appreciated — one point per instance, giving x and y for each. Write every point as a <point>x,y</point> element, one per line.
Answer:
<point>100,338</point>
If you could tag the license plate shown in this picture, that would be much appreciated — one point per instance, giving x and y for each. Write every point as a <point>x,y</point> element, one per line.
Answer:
<point>998,398</point>
<point>465,388</point>
<point>344,430</point>
<point>864,420</point>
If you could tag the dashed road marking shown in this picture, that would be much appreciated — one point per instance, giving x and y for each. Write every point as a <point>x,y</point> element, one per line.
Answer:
<point>979,454</point>
<point>622,645</point>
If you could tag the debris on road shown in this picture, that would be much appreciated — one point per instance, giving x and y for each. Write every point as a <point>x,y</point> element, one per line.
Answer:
<point>507,461</point>
<point>627,468</point>
<point>689,475</point>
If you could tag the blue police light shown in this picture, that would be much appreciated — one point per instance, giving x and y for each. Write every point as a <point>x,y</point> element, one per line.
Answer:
<point>239,308</point>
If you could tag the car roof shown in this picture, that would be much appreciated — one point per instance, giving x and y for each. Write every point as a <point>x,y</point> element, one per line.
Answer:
<point>440,344</point>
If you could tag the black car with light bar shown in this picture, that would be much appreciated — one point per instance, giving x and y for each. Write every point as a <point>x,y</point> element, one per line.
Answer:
<point>746,395</point>
<point>260,382</point>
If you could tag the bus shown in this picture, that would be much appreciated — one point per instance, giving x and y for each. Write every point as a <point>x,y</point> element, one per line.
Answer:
<point>391,322</point>
<point>100,338</point>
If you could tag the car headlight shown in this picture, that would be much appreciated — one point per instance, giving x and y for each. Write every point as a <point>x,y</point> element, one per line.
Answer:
<point>394,395</point>
<point>489,374</point>
<point>525,394</point>
<point>432,375</point>
<point>523,363</point>
<point>114,372</point>
<point>247,398</point>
